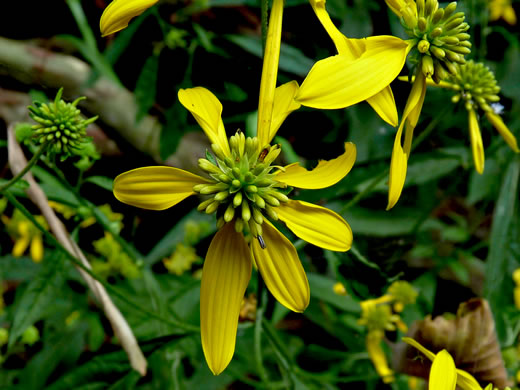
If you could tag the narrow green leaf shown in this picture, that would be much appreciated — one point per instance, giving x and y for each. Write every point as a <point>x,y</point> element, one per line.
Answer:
<point>498,275</point>
<point>101,181</point>
<point>41,291</point>
<point>146,86</point>
<point>81,20</point>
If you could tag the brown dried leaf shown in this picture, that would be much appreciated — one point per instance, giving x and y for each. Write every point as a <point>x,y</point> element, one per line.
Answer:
<point>470,338</point>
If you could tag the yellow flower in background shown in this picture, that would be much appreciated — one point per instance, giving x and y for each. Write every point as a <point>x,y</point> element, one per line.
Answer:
<point>25,235</point>
<point>476,86</point>
<point>377,355</point>
<point>516,291</point>
<point>246,192</point>
<point>119,13</point>
<point>444,374</point>
<point>502,9</point>
<point>362,70</point>
<point>440,41</point>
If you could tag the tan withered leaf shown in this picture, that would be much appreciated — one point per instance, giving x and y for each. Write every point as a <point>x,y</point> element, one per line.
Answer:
<point>469,337</point>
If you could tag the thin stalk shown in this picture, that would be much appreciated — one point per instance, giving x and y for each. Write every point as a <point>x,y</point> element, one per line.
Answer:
<point>53,241</point>
<point>258,347</point>
<point>26,169</point>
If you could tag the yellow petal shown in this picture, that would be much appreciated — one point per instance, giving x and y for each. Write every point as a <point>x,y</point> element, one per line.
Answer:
<point>509,15</point>
<point>119,12</point>
<point>225,276</point>
<point>316,225</point>
<point>383,104</point>
<point>284,104</point>
<point>476,141</point>
<point>502,129</point>
<point>155,188</point>
<point>281,269</point>
<point>443,375</point>
<point>270,72</point>
<point>338,81</point>
<point>466,381</point>
<point>207,111</point>
<point>37,248</point>
<point>337,37</point>
<point>430,355</point>
<point>377,355</point>
<point>399,161</point>
<point>324,175</point>
<point>20,246</point>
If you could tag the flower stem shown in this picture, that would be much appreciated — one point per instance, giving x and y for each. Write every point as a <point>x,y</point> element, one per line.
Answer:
<point>26,169</point>
<point>258,347</point>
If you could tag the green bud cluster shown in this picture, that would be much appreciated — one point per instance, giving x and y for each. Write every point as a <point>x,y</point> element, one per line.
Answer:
<point>243,187</point>
<point>476,85</point>
<point>403,292</point>
<point>439,37</point>
<point>60,125</point>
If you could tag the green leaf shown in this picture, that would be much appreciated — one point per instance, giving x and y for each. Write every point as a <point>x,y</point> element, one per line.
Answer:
<point>53,187</point>
<point>498,285</point>
<point>107,368</point>
<point>41,291</point>
<point>291,59</point>
<point>178,234</point>
<point>101,181</point>
<point>146,86</point>
<point>82,22</point>
<point>62,347</point>
<point>322,288</point>
<point>380,223</point>
<point>173,130</point>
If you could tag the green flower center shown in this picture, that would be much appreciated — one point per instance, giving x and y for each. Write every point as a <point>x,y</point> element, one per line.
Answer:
<point>477,86</point>
<point>60,124</point>
<point>243,186</point>
<point>438,35</point>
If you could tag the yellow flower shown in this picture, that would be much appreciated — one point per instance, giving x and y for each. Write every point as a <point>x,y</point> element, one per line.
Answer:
<point>119,13</point>
<point>362,70</point>
<point>476,86</point>
<point>25,235</point>
<point>502,9</point>
<point>377,355</point>
<point>245,191</point>
<point>444,374</point>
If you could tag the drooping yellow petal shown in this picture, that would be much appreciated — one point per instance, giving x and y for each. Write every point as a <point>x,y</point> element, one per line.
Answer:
<point>284,104</point>
<point>119,13</point>
<point>37,248</point>
<point>383,104</point>
<point>225,276</point>
<point>399,161</point>
<point>281,269</point>
<point>443,374</point>
<point>20,246</point>
<point>476,141</point>
<point>337,37</point>
<point>327,173</point>
<point>339,82</point>
<point>155,188</point>
<point>466,381</point>
<point>316,225</point>
<point>270,72</point>
<point>377,355</point>
<point>430,355</point>
<point>207,111</point>
<point>502,129</point>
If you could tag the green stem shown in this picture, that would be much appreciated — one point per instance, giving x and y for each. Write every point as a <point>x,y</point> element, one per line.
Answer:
<point>258,347</point>
<point>52,240</point>
<point>26,169</point>
<point>264,7</point>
